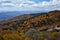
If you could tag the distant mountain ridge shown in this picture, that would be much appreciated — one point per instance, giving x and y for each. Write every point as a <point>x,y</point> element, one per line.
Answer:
<point>11,14</point>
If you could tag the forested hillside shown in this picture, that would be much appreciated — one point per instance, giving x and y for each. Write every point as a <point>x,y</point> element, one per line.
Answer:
<point>31,26</point>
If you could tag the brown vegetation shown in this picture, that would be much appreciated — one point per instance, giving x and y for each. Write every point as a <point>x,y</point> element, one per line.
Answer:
<point>16,28</point>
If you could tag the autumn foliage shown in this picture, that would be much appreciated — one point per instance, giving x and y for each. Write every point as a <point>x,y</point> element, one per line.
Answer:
<point>28,27</point>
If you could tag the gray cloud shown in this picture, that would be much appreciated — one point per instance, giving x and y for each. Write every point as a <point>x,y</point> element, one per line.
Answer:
<point>29,5</point>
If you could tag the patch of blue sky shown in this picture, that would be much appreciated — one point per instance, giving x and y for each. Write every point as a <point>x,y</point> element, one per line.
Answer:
<point>38,1</point>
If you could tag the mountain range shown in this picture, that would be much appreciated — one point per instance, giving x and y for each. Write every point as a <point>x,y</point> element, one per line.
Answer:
<point>10,14</point>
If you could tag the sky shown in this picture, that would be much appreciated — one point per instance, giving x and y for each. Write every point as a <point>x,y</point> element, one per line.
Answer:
<point>31,5</point>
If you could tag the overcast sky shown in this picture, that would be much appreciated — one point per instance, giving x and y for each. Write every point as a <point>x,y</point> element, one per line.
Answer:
<point>31,5</point>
